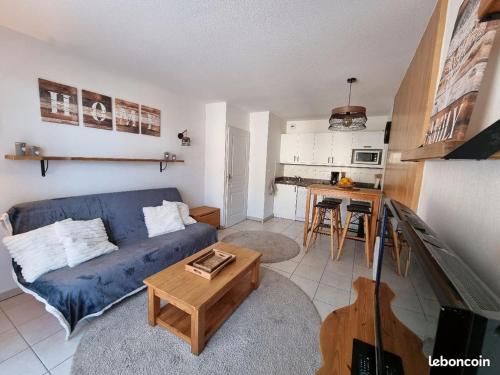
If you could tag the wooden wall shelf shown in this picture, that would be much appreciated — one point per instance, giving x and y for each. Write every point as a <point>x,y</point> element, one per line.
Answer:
<point>44,160</point>
<point>489,10</point>
<point>432,151</point>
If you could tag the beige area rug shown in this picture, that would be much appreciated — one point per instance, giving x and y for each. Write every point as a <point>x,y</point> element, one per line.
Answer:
<point>274,247</point>
<point>274,331</point>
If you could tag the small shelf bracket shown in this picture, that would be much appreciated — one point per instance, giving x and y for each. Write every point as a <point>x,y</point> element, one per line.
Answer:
<point>44,167</point>
<point>162,168</point>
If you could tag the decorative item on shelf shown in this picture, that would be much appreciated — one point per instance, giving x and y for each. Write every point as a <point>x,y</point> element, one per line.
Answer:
<point>35,151</point>
<point>185,140</point>
<point>166,155</point>
<point>20,148</point>
<point>350,117</point>
<point>173,157</point>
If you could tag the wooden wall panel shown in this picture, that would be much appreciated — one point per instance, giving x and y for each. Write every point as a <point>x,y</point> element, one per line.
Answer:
<point>412,111</point>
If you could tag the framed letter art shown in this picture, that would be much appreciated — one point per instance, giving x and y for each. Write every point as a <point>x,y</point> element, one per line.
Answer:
<point>58,103</point>
<point>150,121</point>
<point>97,110</point>
<point>126,116</point>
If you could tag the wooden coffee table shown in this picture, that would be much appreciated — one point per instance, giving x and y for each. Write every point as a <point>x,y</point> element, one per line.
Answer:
<point>197,307</point>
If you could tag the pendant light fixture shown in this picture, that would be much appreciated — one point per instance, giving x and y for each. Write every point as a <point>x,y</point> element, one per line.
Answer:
<point>350,117</point>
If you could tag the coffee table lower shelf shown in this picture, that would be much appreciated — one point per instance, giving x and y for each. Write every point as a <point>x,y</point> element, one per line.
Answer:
<point>178,321</point>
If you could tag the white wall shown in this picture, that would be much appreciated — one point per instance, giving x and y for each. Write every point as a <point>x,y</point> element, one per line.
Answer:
<point>321,126</point>
<point>259,128</point>
<point>237,117</point>
<point>27,60</point>
<point>215,155</point>
<point>277,126</point>
<point>460,200</point>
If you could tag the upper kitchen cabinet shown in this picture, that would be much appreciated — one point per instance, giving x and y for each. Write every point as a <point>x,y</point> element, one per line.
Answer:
<point>342,148</point>
<point>305,148</point>
<point>368,140</point>
<point>297,148</point>
<point>289,148</point>
<point>323,149</point>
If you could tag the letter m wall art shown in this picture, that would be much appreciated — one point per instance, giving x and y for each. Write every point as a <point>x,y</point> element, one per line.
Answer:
<point>58,103</point>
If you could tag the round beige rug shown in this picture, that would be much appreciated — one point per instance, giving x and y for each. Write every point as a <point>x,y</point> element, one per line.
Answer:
<point>274,247</point>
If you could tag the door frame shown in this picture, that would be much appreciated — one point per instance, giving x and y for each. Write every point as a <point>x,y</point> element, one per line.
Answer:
<point>229,130</point>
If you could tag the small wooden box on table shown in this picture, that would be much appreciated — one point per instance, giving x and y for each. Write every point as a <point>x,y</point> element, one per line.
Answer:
<point>197,307</point>
<point>205,214</point>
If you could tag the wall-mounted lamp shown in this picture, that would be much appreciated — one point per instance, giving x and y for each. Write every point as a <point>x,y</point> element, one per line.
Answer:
<point>185,140</point>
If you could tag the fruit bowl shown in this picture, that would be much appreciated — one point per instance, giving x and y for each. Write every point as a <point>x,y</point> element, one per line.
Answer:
<point>346,183</point>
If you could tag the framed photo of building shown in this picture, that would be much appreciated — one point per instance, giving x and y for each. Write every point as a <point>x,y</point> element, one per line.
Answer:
<point>97,110</point>
<point>150,121</point>
<point>462,75</point>
<point>58,102</point>
<point>126,116</point>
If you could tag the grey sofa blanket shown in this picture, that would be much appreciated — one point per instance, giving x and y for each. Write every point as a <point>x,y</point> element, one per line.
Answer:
<point>88,289</point>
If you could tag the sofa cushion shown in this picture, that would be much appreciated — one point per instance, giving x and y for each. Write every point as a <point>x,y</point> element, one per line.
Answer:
<point>121,212</point>
<point>95,285</point>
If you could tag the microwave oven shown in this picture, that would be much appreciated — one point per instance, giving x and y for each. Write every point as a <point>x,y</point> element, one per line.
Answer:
<point>368,157</point>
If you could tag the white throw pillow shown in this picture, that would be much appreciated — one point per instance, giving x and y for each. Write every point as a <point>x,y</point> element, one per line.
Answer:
<point>37,251</point>
<point>84,240</point>
<point>162,219</point>
<point>184,212</point>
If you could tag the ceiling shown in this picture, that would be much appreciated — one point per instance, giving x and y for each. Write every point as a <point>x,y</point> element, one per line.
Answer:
<point>289,57</point>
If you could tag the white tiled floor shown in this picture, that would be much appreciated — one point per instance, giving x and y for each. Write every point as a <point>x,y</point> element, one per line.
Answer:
<point>33,343</point>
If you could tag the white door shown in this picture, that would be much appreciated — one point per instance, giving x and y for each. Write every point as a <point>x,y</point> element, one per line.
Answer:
<point>285,201</point>
<point>238,142</point>
<point>288,152</point>
<point>305,148</point>
<point>323,149</point>
<point>342,148</point>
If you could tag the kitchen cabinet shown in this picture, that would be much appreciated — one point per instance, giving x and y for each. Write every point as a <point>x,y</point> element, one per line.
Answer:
<point>342,148</point>
<point>289,148</point>
<point>300,207</point>
<point>285,200</point>
<point>323,149</point>
<point>374,140</point>
<point>305,148</point>
<point>297,148</point>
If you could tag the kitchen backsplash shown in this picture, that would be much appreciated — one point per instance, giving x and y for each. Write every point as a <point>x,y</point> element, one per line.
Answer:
<point>323,173</point>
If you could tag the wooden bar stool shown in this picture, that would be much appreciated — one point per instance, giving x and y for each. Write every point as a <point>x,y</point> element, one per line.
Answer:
<point>326,208</point>
<point>357,211</point>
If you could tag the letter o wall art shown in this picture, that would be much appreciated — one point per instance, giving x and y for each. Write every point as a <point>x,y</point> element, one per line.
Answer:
<point>97,111</point>
<point>59,104</point>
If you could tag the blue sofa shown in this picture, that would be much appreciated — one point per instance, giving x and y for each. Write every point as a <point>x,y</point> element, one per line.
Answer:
<point>72,294</point>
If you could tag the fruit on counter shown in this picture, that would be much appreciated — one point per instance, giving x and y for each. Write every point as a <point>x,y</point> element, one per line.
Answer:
<point>345,181</point>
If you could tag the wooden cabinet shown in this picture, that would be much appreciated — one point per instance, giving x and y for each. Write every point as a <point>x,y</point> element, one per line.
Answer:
<point>285,201</point>
<point>205,214</point>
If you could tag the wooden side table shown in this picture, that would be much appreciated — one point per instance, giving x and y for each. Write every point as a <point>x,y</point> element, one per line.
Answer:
<point>205,214</point>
